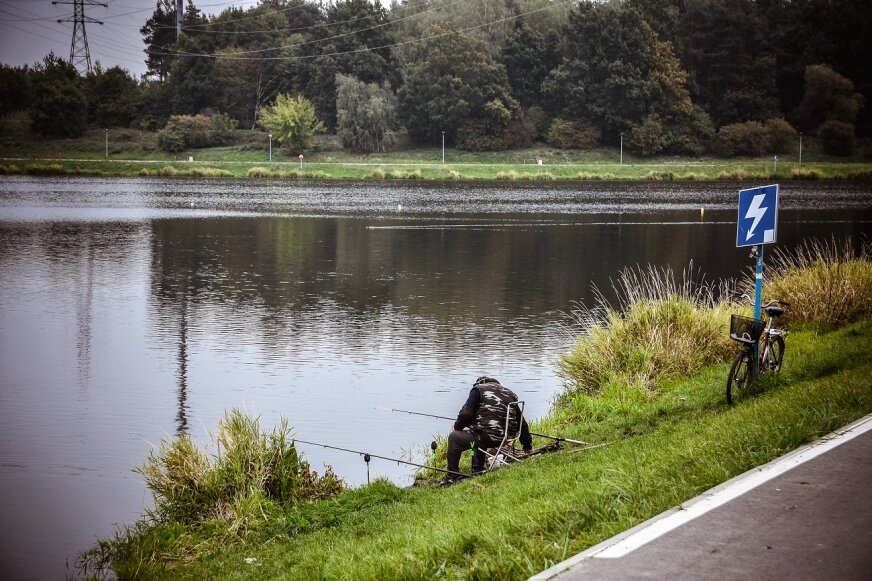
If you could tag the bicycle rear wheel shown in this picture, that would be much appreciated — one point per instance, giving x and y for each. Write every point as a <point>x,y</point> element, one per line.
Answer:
<point>740,375</point>
<point>774,355</point>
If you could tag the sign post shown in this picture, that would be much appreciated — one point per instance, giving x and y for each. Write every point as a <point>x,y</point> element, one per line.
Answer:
<point>757,225</point>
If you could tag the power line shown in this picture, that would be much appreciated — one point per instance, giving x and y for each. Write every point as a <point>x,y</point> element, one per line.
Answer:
<point>80,56</point>
<point>238,55</point>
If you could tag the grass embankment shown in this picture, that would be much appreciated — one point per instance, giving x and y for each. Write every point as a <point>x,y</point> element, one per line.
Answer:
<point>134,153</point>
<point>672,434</point>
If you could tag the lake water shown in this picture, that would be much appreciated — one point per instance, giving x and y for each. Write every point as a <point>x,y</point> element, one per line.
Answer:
<point>133,310</point>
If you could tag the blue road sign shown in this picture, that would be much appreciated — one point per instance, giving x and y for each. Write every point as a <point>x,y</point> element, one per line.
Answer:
<point>758,216</point>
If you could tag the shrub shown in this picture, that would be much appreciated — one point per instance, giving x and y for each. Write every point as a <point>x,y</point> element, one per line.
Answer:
<point>15,126</point>
<point>748,138</point>
<point>837,138</point>
<point>782,136</point>
<point>647,138</point>
<point>196,131</point>
<point>539,121</point>
<point>566,134</point>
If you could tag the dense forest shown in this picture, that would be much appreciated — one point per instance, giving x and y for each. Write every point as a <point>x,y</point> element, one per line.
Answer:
<point>727,77</point>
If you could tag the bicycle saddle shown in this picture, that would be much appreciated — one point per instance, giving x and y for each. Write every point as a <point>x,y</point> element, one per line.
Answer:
<point>774,311</point>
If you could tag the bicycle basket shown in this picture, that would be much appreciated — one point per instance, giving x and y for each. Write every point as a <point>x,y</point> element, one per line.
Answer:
<point>745,329</point>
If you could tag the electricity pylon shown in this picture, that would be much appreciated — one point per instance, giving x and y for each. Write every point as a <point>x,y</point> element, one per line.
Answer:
<point>80,56</point>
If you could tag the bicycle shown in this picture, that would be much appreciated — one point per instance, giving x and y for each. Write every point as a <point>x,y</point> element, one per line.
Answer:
<point>770,353</point>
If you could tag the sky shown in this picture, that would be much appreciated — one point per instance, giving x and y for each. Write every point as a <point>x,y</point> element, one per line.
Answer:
<point>29,30</point>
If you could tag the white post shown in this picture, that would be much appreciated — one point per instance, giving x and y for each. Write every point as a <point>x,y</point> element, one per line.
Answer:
<point>443,147</point>
<point>107,143</point>
<point>270,147</point>
<point>622,148</point>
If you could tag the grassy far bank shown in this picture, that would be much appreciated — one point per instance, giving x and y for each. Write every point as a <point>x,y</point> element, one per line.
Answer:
<point>132,153</point>
<point>672,436</point>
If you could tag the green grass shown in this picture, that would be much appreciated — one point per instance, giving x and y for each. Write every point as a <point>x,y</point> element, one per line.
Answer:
<point>659,405</point>
<point>132,152</point>
<point>520,520</point>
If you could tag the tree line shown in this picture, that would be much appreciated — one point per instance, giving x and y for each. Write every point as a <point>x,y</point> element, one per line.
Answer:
<point>731,77</point>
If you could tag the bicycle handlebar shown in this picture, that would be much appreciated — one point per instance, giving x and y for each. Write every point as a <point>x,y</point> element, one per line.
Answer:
<point>769,304</point>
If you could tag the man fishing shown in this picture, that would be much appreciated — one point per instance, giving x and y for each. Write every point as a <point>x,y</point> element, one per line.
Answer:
<point>481,424</point>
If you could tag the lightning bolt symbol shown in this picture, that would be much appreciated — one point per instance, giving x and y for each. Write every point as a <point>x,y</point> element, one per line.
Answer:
<point>756,212</point>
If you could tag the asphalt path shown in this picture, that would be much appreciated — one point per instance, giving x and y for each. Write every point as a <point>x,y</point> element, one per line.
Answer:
<point>805,516</point>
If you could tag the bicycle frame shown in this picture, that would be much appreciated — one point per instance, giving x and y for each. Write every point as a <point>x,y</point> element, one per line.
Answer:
<point>759,349</point>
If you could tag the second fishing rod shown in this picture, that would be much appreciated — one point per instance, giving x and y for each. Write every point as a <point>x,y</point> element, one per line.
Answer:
<point>555,438</point>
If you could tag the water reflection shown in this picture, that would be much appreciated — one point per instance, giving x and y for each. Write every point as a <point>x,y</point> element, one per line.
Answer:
<point>182,416</point>
<point>126,316</point>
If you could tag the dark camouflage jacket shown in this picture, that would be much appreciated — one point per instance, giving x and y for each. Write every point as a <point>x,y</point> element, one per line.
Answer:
<point>490,418</point>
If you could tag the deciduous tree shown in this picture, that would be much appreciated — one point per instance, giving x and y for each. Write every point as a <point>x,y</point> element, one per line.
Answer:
<point>59,108</point>
<point>366,114</point>
<point>292,121</point>
<point>453,85</point>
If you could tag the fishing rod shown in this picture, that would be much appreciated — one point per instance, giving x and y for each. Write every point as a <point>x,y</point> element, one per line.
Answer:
<point>555,438</point>
<point>367,456</point>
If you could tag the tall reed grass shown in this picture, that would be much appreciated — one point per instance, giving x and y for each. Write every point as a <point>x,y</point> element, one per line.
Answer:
<point>663,326</point>
<point>827,283</point>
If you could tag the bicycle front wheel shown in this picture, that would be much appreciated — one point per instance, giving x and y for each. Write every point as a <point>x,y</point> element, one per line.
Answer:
<point>774,355</point>
<point>740,375</point>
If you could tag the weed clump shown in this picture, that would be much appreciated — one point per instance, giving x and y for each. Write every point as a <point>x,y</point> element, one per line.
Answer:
<point>168,171</point>
<point>190,486</point>
<point>378,173</point>
<point>210,172</point>
<point>660,176</point>
<point>258,172</point>
<point>44,169</point>
<point>595,176</point>
<point>205,501</point>
<point>735,175</point>
<point>806,174</point>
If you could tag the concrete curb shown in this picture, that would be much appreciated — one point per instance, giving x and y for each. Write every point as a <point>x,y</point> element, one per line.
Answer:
<point>661,524</point>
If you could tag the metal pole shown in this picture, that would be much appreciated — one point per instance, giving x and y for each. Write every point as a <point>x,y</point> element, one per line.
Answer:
<point>622,148</point>
<point>270,146</point>
<point>758,283</point>
<point>107,143</point>
<point>758,299</point>
<point>443,147</point>
<point>800,149</point>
